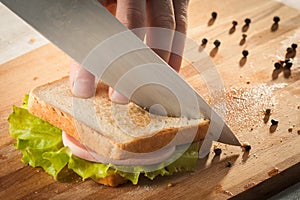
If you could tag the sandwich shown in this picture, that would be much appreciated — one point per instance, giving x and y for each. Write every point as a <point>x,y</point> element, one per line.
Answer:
<point>101,140</point>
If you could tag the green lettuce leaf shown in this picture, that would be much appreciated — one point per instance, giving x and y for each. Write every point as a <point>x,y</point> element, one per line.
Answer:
<point>41,146</point>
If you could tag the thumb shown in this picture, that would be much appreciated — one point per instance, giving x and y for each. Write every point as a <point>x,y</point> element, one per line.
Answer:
<point>82,81</point>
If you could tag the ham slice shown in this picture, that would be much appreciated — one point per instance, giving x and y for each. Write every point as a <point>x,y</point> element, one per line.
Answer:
<point>86,153</point>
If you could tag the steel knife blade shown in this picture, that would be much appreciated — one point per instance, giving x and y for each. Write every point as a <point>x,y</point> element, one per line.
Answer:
<point>84,29</point>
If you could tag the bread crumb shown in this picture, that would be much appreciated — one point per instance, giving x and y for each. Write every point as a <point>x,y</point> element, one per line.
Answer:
<point>290,129</point>
<point>228,193</point>
<point>249,185</point>
<point>273,172</point>
<point>31,40</point>
<point>170,185</point>
<point>35,78</point>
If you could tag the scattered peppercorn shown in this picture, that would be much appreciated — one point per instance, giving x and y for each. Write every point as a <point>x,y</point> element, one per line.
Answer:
<point>274,122</point>
<point>288,65</point>
<point>290,129</point>
<point>277,65</point>
<point>298,131</point>
<point>204,41</point>
<point>228,164</point>
<point>294,46</point>
<point>247,21</point>
<point>234,23</point>
<point>218,151</point>
<point>214,15</point>
<point>276,19</point>
<point>246,146</point>
<point>217,43</point>
<point>289,50</point>
<point>268,111</point>
<point>245,53</point>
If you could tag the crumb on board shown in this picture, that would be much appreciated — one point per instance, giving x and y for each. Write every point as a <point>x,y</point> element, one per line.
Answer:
<point>227,193</point>
<point>273,172</point>
<point>31,40</point>
<point>170,185</point>
<point>290,129</point>
<point>35,78</point>
<point>249,185</point>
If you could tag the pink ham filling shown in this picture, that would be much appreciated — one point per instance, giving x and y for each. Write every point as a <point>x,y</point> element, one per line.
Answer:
<point>85,153</point>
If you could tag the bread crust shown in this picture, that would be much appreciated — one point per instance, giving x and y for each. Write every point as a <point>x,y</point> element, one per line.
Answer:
<point>112,180</point>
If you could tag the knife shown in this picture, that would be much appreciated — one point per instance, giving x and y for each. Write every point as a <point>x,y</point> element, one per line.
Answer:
<point>88,33</point>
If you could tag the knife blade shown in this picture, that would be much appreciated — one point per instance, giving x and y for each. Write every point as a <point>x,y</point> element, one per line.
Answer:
<point>89,33</point>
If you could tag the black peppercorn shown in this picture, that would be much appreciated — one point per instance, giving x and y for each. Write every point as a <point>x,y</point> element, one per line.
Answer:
<point>294,46</point>
<point>268,111</point>
<point>217,43</point>
<point>247,21</point>
<point>277,65</point>
<point>247,147</point>
<point>276,19</point>
<point>274,122</point>
<point>204,41</point>
<point>234,23</point>
<point>218,151</point>
<point>289,49</point>
<point>245,53</point>
<point>288,65</point>
<point>214,15</point>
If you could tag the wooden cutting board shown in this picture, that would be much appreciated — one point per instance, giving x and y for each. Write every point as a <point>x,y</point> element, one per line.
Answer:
<point>249,91</point>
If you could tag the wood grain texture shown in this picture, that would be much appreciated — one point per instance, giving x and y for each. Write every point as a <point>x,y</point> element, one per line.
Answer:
<point>249,90</point>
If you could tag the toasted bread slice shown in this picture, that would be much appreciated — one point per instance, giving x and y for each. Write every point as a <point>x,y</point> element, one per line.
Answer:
<point>110,129</point>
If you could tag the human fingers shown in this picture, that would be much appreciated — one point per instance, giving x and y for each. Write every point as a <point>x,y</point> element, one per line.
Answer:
<point>110,5</point>
<point>82,81</point>
<point>132,13</point>
<point>180,10</point>
<point>160,14</point>
<point>116,97</point>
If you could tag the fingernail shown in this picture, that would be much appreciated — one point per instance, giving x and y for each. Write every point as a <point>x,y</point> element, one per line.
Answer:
<point>83,88</point>
<point>118,98</point>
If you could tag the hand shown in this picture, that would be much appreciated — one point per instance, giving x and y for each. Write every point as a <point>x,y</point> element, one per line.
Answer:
<point>169,14</point>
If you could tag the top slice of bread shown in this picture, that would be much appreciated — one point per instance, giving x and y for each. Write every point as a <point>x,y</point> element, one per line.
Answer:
<point>110,129</point>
